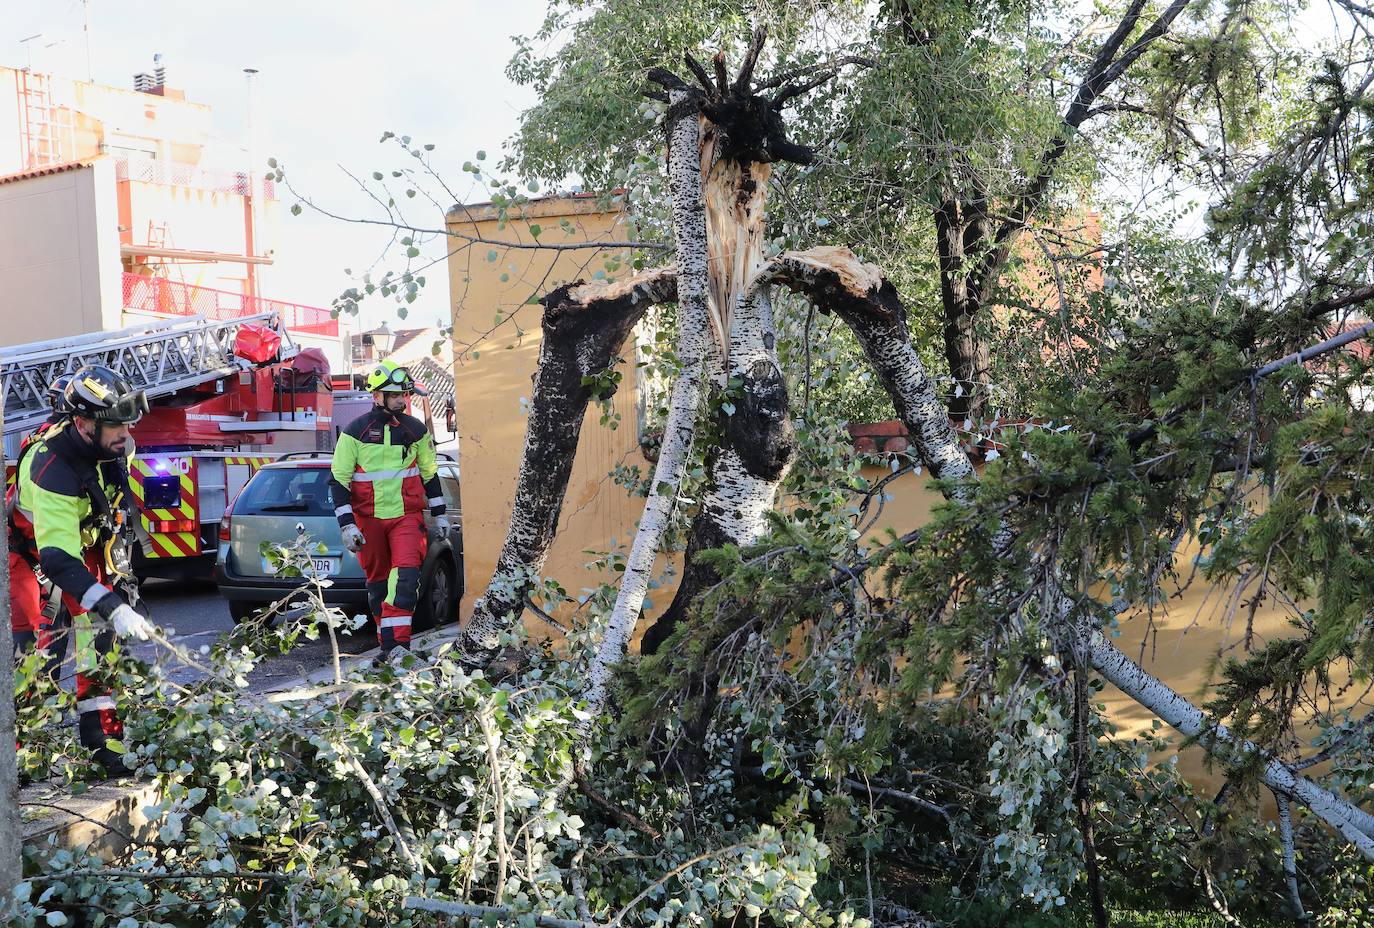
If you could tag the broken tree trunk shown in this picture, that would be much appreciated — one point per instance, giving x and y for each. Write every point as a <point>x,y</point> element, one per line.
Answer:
<point>733,137</point>
<point>753,413</point>
<point>835,280</point>
<point>685,130</point>
<point>746,468</point>
<point>1340,814</point>
<point>584,328</point>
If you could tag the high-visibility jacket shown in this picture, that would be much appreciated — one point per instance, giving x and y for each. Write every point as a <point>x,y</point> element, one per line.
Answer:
<point>62,506</point>
<point>384,467</point>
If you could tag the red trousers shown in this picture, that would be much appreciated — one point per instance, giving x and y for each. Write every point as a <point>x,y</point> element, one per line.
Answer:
<point>95,706</point>
<point>391,559</point>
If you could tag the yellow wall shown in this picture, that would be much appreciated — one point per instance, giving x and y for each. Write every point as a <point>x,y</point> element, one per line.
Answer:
<point>492,370</point>
<point>1178,644</point>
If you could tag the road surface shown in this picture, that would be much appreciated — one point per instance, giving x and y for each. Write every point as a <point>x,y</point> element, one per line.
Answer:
<point>199,616</point>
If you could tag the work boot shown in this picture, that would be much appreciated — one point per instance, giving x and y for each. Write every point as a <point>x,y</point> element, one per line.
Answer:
<point>108,765</point>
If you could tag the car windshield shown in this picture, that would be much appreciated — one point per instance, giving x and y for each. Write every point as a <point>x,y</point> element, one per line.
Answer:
<point>287,490</point>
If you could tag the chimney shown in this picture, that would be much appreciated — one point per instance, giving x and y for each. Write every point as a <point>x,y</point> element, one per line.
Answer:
<point>159,71</point>
<point>143,83</point>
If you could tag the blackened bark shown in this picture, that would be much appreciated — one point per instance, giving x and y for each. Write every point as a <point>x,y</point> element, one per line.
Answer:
<point>584,330</point>
<point>757,443</point>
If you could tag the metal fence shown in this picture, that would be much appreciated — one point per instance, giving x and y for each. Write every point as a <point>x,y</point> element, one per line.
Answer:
<point>152,171</point>
<point>168,297</point>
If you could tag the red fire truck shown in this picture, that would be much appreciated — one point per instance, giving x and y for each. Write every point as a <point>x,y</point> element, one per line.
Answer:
<point>226,398</point>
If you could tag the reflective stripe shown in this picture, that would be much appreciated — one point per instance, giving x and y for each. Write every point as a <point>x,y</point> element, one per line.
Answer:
<point>95,704</point>
<point>93,595</point>
<point>394,621</point>
<point>365,477</point>
<point>344,510</point>
<point>436,501</point>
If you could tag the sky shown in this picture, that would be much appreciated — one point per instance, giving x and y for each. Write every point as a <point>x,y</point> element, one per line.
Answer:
<point>332,75</point>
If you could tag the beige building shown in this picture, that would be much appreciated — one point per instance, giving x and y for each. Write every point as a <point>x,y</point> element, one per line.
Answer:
<point>121,205</point>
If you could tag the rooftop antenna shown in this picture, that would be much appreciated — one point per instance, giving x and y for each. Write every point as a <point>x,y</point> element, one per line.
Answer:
<point>28,49</point>
<point>86,28</point>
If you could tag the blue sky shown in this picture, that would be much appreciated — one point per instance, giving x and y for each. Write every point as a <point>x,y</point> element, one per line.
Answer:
<point>333,74</point>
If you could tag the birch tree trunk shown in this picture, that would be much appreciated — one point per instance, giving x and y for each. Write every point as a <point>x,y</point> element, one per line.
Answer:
<point>11,833</point>
<point>1353,823</point>
<point>584,328</point>
<point>754,418</point>
<point>836,281</point>
<point>685,153</point>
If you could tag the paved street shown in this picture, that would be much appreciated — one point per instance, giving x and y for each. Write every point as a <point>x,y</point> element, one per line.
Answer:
<point>199,616</point>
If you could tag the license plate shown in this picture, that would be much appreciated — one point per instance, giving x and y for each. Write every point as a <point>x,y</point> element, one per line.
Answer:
<point>319,566</point>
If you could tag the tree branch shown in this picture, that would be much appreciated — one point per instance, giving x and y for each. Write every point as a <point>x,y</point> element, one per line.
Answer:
<point>1101,75</point>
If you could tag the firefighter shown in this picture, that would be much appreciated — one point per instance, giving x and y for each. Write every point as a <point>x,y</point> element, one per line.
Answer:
<point>68,516</point>
<point>24,634</point>
<point>385,476</point>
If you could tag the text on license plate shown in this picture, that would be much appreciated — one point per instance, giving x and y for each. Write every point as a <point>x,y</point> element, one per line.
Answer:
<point>319,566</point>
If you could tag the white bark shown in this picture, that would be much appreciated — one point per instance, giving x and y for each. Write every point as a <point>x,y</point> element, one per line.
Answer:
<point>1191,721</point>
<point>1290,862</point>
<point>739,497</point>
<point>11,835</point>
<point>689,227</point>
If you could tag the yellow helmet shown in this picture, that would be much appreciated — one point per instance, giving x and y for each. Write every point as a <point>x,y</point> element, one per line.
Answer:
<point>390,377</point>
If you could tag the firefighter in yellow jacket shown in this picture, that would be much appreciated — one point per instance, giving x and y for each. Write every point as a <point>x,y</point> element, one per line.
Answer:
<point>68,519</point>
<point>384,478</point>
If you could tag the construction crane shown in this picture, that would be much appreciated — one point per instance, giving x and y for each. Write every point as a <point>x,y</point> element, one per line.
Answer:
<point>159,358</point>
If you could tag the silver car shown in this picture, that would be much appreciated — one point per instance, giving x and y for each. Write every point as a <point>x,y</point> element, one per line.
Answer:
<point>290,497</point>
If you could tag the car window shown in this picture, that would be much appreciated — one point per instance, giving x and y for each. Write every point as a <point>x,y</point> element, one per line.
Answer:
<point>448,479</point>
<point>288,491</point>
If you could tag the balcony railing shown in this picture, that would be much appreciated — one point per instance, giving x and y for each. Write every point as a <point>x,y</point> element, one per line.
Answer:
<point>152,171</point>
<point>170,298</point>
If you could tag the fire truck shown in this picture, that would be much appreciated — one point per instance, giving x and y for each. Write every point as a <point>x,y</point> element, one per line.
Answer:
<point>216,416</point>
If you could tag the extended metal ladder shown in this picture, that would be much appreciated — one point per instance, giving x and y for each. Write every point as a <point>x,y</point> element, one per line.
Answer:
<point>158,357</point>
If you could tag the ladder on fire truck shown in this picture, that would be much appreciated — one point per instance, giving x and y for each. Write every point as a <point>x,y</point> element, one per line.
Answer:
<point>158,357</point>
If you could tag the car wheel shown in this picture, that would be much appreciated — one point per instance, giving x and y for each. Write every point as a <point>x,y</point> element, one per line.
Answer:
<point>241,611</point>
<point>436,603</point>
